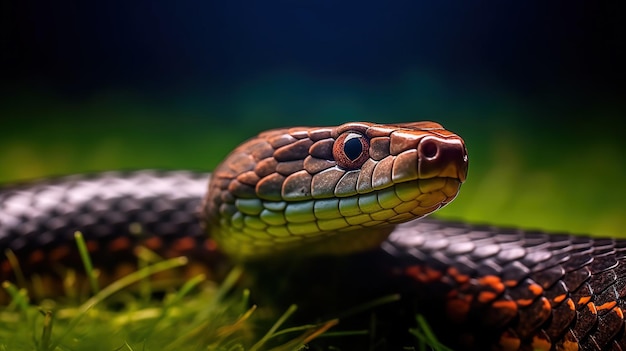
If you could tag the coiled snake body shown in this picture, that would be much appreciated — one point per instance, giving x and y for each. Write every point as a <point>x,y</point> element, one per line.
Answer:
<point>351,191</point>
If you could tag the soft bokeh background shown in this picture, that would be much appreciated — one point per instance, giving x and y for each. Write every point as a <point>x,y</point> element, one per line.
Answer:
<point>536,89</point>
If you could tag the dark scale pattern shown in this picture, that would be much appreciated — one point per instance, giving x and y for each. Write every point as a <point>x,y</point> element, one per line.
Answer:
<point>512,289</point>
<point>38,220</point>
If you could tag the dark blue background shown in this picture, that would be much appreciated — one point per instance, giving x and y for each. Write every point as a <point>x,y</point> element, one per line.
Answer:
<point>531,47</point>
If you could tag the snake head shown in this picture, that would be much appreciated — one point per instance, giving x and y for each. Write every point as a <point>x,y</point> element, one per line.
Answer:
<point>331,190</point>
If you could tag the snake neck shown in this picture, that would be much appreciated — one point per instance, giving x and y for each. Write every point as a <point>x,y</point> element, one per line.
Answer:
<point>338,244</point>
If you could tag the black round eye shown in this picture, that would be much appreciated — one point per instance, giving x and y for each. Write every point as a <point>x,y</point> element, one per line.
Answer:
<point>351,150</point>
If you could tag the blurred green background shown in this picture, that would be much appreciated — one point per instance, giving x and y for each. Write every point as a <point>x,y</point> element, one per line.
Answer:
<point>536,90</point>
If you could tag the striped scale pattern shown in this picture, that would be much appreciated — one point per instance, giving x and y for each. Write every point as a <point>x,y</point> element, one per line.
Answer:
<point>115,212</point>
<point>284,191</point>
<point>509,289</point>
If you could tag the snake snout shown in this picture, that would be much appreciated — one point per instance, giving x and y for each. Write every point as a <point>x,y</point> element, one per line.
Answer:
<point>442,157</point>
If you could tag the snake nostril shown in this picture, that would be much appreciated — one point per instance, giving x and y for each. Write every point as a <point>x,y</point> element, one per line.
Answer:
<point>429,148</point>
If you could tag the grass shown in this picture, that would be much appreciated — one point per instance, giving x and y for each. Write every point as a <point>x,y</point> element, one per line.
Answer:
<point>197,315</point>
<point>425,336</point>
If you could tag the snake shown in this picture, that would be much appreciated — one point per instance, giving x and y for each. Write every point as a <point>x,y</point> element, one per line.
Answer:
<point>355,192</point>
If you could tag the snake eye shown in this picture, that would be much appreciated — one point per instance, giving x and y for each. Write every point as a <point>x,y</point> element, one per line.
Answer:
<point>351,150</point>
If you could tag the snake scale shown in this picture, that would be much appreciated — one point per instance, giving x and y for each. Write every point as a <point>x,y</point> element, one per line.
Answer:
<point>350,194</point>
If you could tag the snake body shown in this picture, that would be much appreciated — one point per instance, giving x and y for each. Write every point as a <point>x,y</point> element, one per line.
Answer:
<point>350,191</point>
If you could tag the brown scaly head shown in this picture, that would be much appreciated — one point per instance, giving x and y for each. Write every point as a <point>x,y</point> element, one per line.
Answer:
<point>330,190</point>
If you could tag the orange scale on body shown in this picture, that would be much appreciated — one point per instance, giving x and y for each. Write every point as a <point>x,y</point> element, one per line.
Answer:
<point>119,244</point>
<point>457,276</point>
<point>619,312</point>
<point>423,274</point>
<point>606,306</point>
<point>457,309</point>
<point>536,289</point>
<point>493,282</point>
<point>509,342</point>
<point>36,256</point>
<point>541,343</point>
<point>153,243</point>
<point>584,300</point>
<point>184,244</point>
<point>559,298</point>
<point>58,253</point>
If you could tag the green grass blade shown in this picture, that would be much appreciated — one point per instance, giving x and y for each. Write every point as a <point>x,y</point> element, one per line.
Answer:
<point>19,297</point>
<point>47,330</point>
<point>270,333</point>
<point>86,259</point>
